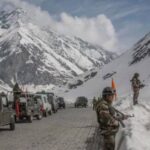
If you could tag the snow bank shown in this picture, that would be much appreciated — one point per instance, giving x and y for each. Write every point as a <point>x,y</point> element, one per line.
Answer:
<point>137,132</point>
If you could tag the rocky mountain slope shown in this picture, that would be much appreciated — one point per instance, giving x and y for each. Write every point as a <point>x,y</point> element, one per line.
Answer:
<point>33,54</point>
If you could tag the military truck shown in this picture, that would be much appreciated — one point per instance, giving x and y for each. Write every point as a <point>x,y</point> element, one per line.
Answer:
<point>61,102</point>
<point>23,108</point>
<point>28,106</point>
<point>81,102</point>
<point>7,115</point>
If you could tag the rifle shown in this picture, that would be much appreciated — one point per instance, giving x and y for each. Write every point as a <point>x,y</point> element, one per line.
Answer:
<point>142,86</point>
<point>121,116</point>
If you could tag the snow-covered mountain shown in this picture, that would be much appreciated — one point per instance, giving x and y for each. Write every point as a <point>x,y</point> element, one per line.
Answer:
<point>33,54</point>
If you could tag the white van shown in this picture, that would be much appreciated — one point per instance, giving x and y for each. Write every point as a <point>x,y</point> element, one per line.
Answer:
<point>46,106</point>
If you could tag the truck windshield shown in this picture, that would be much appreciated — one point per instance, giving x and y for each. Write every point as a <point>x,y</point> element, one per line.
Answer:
<point>22,99</point>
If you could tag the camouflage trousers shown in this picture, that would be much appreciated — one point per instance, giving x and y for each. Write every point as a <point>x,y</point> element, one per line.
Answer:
<point>109,142</point>
<point>135,97</point>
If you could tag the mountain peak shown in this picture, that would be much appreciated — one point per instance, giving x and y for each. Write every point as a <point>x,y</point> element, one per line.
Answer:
<point>11,18</point>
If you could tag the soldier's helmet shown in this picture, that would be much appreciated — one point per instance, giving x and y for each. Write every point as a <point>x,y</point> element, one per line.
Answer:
<point>136,75</point>
<point>108,91</point>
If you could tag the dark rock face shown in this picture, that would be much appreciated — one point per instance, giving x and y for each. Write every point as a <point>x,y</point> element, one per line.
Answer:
<point>141,49</point>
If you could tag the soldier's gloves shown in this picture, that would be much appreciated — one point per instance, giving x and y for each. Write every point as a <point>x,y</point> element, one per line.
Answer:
<point>116,123</point>
<point>125,117</point>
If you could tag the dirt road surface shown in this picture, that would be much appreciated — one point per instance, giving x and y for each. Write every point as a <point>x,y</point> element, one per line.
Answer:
<point>69,129</point>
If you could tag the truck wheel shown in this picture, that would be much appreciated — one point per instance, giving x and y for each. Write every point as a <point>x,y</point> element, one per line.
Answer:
<point>50,112</point>
<point>55,111</point>
<point>45,113</point>
<point>16,119</point>
<point>12,126</point>
<point>30,119</point>
<point>39,117</point>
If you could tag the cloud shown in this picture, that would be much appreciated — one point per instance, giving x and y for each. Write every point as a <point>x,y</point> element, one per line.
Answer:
<point>98,30</point>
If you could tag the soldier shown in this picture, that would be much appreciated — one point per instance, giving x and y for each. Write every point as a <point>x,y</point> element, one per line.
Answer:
<point>94,103</point>
<point>16,93</point>
<point>109,125</point>
<point>136,85</point>
<point>96,109</point>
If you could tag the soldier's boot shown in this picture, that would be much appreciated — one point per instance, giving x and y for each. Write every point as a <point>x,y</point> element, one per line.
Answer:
<point>135,102</point>
<point>135,98</point>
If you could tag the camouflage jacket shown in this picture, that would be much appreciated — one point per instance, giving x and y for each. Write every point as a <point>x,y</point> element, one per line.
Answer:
<point>136,83</point>
<point>106,117</point>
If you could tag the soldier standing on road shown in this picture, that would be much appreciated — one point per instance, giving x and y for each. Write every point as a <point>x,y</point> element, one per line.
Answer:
<point>109,125</point>
<point>136,85</point>
<point>16,93</point>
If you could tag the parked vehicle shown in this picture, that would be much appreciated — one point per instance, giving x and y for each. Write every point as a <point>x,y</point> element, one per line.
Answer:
<point>53,102</point>
<point>24,107</point>
<point>46,106</point>
<point>81,102</point>
<point>61,102</point>
<point>37,111</point>
<point>7,115</point>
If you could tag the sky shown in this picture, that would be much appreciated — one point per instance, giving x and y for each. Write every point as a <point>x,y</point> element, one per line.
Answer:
<point>114,24</point>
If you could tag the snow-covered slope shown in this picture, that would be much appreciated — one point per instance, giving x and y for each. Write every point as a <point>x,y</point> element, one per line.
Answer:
<point>33,54</point>
<point>122,70</point>
<point>137,132</point>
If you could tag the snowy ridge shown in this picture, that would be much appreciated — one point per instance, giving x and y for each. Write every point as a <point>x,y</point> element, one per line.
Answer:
<point>122,72</point>
<point>42,55</point>
<point>137,132</point>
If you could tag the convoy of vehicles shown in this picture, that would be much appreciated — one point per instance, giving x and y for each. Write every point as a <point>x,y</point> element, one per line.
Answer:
<point>26,106</point>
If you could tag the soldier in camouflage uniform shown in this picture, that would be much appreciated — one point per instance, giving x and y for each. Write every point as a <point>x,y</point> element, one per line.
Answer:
<point>96,108</point>
<point>108,124</point>
<point>16,93</point>
<point>136,85</point>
